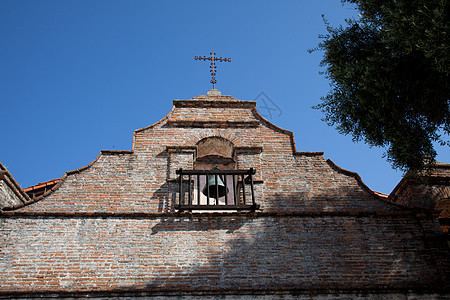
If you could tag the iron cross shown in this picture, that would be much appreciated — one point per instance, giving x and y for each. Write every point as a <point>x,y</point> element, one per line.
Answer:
<point>213,59</point>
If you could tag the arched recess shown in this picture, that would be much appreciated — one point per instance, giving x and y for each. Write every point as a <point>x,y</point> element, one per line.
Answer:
<point>215,151</point>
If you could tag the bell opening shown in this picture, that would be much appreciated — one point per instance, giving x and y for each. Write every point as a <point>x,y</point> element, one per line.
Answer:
<point>215,189</point>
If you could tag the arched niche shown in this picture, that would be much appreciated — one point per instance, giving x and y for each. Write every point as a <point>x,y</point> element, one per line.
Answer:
<point>215,151</point>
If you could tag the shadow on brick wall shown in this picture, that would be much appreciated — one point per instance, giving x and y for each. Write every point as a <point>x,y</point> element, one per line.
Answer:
<point>165,197</point>
<point>323,246</point>
<point>303,252</point>
<point>198,224</point>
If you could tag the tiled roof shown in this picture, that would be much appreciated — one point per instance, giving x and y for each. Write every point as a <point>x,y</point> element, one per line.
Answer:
<point>40,188</point>
<point>382,195</point>
<point>42,185</point>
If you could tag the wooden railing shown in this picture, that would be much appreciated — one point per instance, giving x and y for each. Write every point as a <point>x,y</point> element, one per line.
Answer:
<point>194,192</point>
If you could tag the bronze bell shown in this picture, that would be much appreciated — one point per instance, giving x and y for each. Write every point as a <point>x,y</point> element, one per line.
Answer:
<point>213,187</point>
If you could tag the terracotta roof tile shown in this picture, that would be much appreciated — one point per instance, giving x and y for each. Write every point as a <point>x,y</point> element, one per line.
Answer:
<point>37,191</point>
<point>382,195</point>
<point>49,184</point>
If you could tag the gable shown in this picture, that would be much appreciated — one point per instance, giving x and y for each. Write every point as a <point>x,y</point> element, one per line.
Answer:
<point>112,228</point>
<point>144,179</point>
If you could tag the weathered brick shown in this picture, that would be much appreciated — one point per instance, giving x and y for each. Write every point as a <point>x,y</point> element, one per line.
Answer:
<point>111,228</point>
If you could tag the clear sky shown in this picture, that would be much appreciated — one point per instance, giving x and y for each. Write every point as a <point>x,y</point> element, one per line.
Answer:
<point>79,76</point>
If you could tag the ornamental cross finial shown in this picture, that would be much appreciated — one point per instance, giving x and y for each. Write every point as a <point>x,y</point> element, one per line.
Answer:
<point>213,59</point>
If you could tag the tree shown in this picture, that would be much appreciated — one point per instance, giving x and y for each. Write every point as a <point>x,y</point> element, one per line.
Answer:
<point>389,73</point>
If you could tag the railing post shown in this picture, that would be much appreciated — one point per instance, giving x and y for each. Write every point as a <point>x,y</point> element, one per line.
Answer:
<point>181,187</point>
<point>198,189</point>
<point>251,185</point>
<point>190,191</point>
<point>226,189</point>
<point>217,189</point>
<point>234,189</point>
<point>243,188</point>
<point>207,189</point>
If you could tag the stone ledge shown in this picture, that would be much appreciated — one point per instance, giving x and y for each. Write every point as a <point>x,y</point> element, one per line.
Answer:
<point>212,124</point>
<point>155,215</point>
<point>221,101</point>
<point>300,293</point>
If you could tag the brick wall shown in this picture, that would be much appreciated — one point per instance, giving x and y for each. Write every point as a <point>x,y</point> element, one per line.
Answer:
<point>215,253</point>
<point>421,191</point>
<point>111,227</point>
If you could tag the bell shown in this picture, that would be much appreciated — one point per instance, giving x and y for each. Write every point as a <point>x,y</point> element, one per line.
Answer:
<point>221,188</point>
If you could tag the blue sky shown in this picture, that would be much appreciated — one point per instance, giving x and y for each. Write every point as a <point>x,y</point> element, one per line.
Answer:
<point>77,77</point>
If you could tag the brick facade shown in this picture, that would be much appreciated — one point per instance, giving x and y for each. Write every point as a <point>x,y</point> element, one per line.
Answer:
<point>111,228</point>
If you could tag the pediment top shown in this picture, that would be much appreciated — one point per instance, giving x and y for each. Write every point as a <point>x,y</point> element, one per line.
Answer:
<point>213,101</point>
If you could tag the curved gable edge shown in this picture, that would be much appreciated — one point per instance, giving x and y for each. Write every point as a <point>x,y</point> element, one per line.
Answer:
<point>362,184</point>
<point>286,132</point>
<point>335,167</point>
<point>67,174</point>
<point>257,116</point>
<point>152,125</point>
<point>79,170</point>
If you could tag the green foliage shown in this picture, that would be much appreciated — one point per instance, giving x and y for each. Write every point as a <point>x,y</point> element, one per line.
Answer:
<point>389,74</point>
